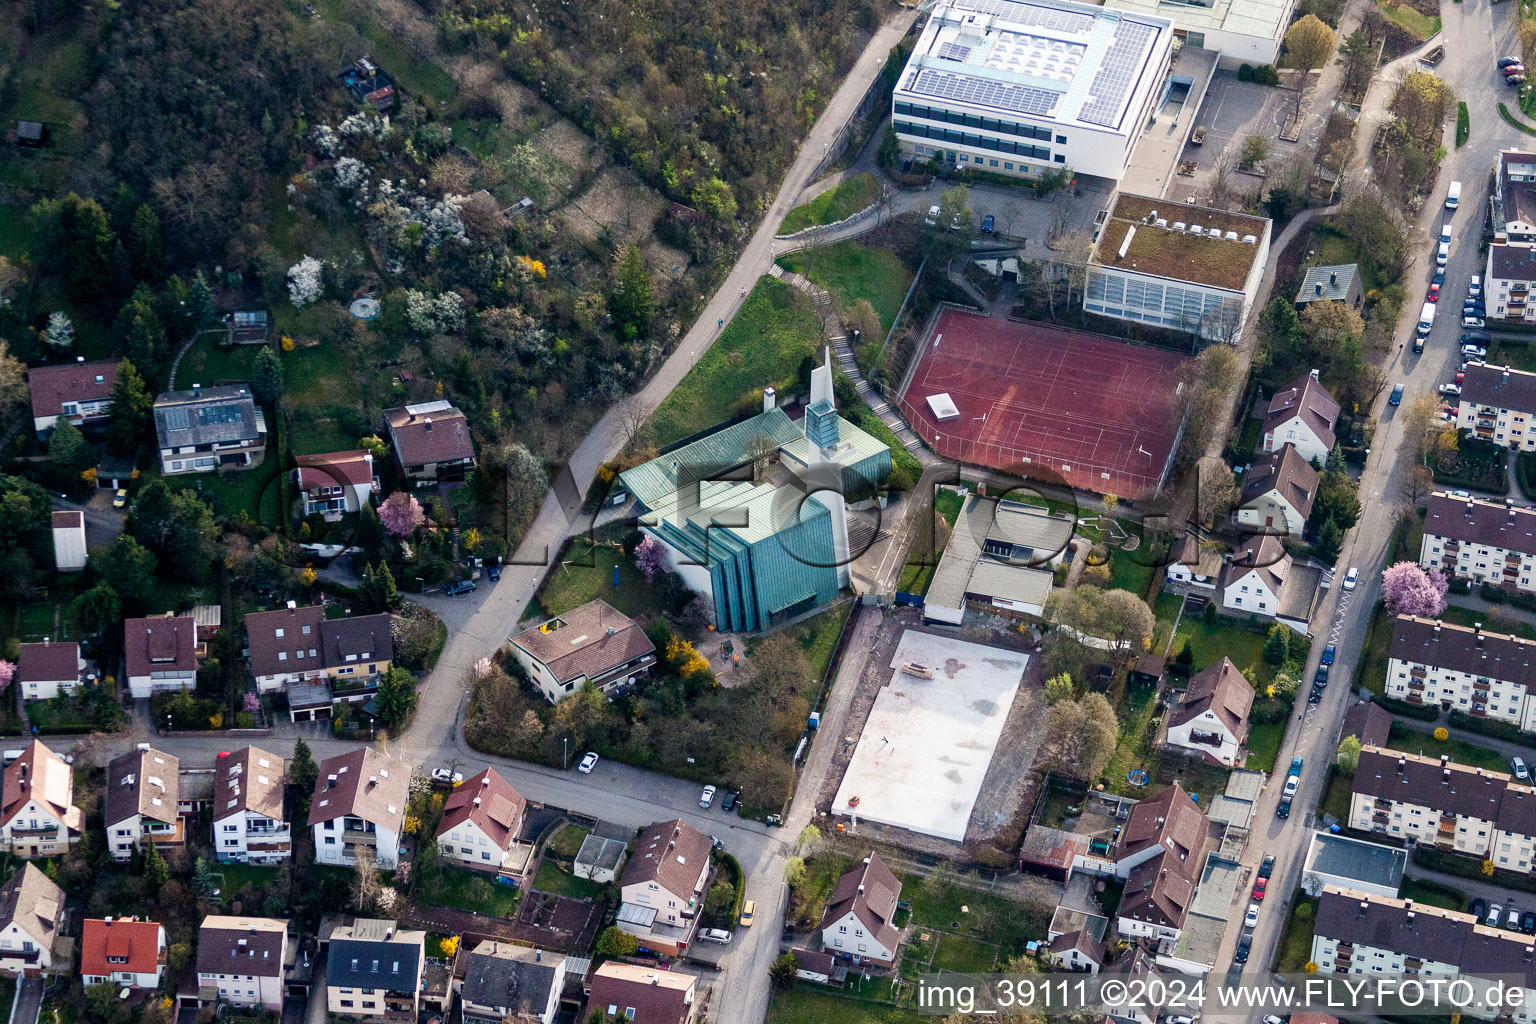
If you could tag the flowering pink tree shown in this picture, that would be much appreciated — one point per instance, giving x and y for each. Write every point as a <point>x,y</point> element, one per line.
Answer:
<point>7,673</point>
<point>1410,590</point>
<point>401,514</point>
<point>649,558</point>
<point>251,703</point>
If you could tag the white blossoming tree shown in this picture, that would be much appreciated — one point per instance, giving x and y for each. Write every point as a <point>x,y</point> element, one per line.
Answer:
<point>439,314</point>
<point>304,284</point>
<point>59,335</point>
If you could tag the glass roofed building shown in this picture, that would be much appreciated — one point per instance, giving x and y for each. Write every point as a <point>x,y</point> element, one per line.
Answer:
<point>759,542</point>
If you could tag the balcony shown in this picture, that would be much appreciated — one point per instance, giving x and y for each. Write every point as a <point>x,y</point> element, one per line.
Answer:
<point>37,832</point>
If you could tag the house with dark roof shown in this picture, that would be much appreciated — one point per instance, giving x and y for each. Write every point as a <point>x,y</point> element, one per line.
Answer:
<point>1160,856</point>
<point>857,923</point>
<point>123,952</point>
<point>1211,718</point>
<point>481,821</point>
<point>1303,414</point>
<point>38,816</point>
<point>594,644</point>
<point>69,540</point>
<point>241,960</point>
<point>333,483</point>
<point>1481,541</point>
<point>205,429</point>
<point>642,994</point>
<point>1336,283</point>
<point>249,825</point>
<point>1196,568</point>
<point>46,670</point>
<point>1460,668</point>
<point>79,392</point>
<point>1261,578</point>
<point>663,885</point>
<point>143,802</point>
<point>1368,722</point>
<point>1078,951</point>
<point>161,654</point>
<point>373,969</point>
<point>31,925</point>
<point>1513,197</point>
<point>359,804</point>
<point>1498,404</point>
<point>431,441</point>
<point>1507,277</point>
<point>1156,901</point>
<point>293,645</point>
<point>1278,492</point>
<point>505,983</point>
<point>599,858</point>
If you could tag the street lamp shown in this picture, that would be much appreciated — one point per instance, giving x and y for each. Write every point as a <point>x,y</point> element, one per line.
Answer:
<point>423,583</point>
<point>565,757</point>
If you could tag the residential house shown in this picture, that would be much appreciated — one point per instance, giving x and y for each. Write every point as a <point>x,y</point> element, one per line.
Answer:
<point>1454,807</point>
<point>38,816</point>
<point>69,541</point>
<point>143,802</point>
<point>431,441</point>
<point>857,923</point>
<point>1513,198</point>
<point>1196,569</point>
<point>123,952</point>
<point>1303,414</point>
<point>1139,972</point>
<point>1480,541</point>
<point>1211,718</point>
<point>161,654</point>
<point>591,644</point>
<point>374,969</point>
<point>1498,405</point>
<point>1278,492</point>
<point>1262,579</point>
<point>1364,933</point>
<point>1079,951</point>
<point>240,961</point>
<point>249,826</point>
<point>999,557</point>
<point>1507,276</point>
<point>359,804</point>
<point>335,482</point>
<point>642,994</point>
<point>1160,855</point>
<point>47,669</point>
<point>505,983</point>
<point>1338,283</point>
<point>205,429</point>
<point>481,821</point>
<point>663,885</point>
<point>79,392</point>
<point>1368,722</point>
<point>31,924</point>
<point>1460,668</point>
<point>293,645</point>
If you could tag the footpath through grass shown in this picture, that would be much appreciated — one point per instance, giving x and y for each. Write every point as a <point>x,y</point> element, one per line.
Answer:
<point>840,203</point>
<point>774,330</point>
<point>850,272</point>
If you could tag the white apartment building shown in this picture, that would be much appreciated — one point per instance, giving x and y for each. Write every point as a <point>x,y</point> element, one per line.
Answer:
<point>1498,404</point>
<point>1364,933</point>
<point>1173,265</point>
<point>1018,88</point>
<point>359,803</point>
<point>248,822</point>
<point>241,959</point>
<point>1480,541</point>
<point>38,816</point>
<point>1471,670</point>
<point>1507,278</point>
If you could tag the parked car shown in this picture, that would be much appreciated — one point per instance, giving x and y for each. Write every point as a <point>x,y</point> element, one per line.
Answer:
<point>748,911</point>
<point>1270,1018</point>
<point>1434,293</point>
<point>1315,695</point>
<point>1506,62</point>
<point>1267,868</point>
<point>1322,674</point>
<point>1494,913</point>
<point>1329,653</point>
<point>1396,397</point>
<point>729,801</point>
<point>1439,277</point>
<point>1478,909</point>
<point>461,587</point>
<point>1443,254</point>
<point>587,763</point>
<point>1512,919</point>
<point>493,573</point>
<point>1521,771</point>
<point>1515,80</point>
<point>1292,784</point>
<point>1528,922</point>
<point>1351,578</point>
<point>1450,389</point>
<point>1284,810</point>
<point>120,498</point>
<point>1472,307</point>
<point>1258,889</point>
<point>1475,286</point>
<point>1244,944</point>
<point>707,797</point>
<point>715,935</point>
<point>1252,917</point>
<point>1297,764</point>
<point>932,220</point>
<point>987,223</point>
<point>1514,69</point>
<point>1476,351</point>
<point>1480,337</point>
<point>447,776</point>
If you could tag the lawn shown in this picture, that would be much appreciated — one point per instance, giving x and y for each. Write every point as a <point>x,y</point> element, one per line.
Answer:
<point>1296,941</point>
<point>1125,573</point>
<point>833,205</point>
<point>986,917</point>
<point>965,956</point>
<point>585,572</point>
<point>1336,797</point>
<point>812,1004</point>
<point>1422,26</point>
<point>553,878</point>
<point>1212,642</point>
<point>1433,893</point>
<point>763,344</point>
<point>566,843</point>
<point>208,363</point>
<point>254,491</point>
<point>818,637</point>
<point>416,75</point>
<point>1264,744</point>
<point>231,878</point>
<point>1416,741</point>
<point>850,272</point>
<point>463,889</point>
<point>1516,353</point>
<point>916,579</point>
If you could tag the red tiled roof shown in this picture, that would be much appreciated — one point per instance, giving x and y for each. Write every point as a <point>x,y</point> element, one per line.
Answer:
<point>870,890</point>
<point>671,853</point>
<point>490,802</point>
<point>333,468</point>
<point>52,386</point>
<point>137,942</point>
<point>41,775</point>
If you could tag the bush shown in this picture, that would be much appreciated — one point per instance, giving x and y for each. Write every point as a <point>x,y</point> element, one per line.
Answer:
<point>1400,707</point>
<point>1497,730</point>
<point>1265,74</point>
<point>1245,73</point>
<point>1471,867</point>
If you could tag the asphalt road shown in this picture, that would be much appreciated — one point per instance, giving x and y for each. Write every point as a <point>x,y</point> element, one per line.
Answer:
<point>1473,34</point>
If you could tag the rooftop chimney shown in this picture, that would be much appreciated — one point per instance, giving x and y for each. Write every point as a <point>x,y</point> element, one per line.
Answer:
<point>1319,287</point>
<point>770,398</point>
<point>1313,375</point>
<point>429,422</point>
<point>1333,277</point>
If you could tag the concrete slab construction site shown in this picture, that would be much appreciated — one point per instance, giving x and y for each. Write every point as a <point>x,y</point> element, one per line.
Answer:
<point>924,751</point>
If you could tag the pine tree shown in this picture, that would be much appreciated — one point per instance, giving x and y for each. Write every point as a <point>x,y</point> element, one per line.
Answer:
<point>1278,645</point>
<point>140,332</point>
<point>156,871</point>
<point>370,532</point>
<point>634,297</point>
<point>379,586</point>
<point>302,770</point>
<point>267,379</point>
<point>1329,539</point>
<point>132,405</point>
<point>144,244</point>
<point>202,877</point>
<point>200,305</point>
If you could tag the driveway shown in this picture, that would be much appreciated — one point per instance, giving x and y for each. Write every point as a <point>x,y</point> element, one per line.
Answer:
<point>29,1001</point>
<point>102,522</point>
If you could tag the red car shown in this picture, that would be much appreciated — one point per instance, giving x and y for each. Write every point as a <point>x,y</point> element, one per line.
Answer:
<point>1460,376</point>
<point>1258,889</point>
<point>1434,293</point>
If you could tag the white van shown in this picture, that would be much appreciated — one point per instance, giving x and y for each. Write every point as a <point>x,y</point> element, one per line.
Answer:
<point>1426,318</point>
<point>1443,254</point>
<point>1453,196</point>
<point>1445,232</point>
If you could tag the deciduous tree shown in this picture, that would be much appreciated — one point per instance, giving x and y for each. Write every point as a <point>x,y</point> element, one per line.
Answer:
<point>1411,590</point>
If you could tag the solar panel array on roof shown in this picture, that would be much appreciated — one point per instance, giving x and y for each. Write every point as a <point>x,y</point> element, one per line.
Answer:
<point>1121,59</point>
<point>954,51</point>
<point>1030,14</point>
<point>1002,95</point>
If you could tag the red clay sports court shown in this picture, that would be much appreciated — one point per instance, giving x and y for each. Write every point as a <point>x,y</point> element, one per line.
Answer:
<point>1102,413</point>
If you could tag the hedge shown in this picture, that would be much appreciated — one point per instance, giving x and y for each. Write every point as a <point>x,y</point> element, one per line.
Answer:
<point>1512,119</point>
<point>1494,729</point>
<point>1401,707</point>
<point>1499,595</point>
<point>1471,867</point>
